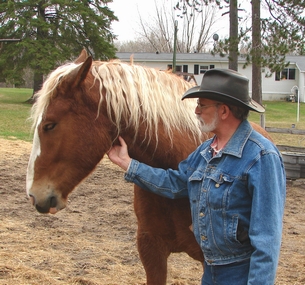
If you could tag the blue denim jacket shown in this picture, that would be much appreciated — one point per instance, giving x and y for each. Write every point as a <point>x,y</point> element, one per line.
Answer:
<point>237,199</point>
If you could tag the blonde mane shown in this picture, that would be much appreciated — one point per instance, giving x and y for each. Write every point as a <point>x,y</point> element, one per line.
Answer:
<point>133,94</point>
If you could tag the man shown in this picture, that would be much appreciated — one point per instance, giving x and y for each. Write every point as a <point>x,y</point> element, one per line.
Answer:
<point>235,183</point>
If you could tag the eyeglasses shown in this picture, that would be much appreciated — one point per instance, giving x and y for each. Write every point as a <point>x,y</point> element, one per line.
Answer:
<point>201,106</point>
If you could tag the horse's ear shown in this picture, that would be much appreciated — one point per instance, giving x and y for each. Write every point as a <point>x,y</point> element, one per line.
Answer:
<point>82,71</point>
<point>82,57</point>
<point>77,76</point>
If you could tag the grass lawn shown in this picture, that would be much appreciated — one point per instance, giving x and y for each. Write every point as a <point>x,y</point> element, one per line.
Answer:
<point>14,113</point>
<point>282,114</point>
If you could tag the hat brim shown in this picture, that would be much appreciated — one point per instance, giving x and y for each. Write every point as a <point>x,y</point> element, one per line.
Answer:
<point>195,92</point>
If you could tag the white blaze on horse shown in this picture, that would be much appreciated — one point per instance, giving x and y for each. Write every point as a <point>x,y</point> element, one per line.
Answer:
<point>81,110</point>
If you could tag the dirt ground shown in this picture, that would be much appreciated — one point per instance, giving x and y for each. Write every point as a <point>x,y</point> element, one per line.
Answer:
<point>92,241</point>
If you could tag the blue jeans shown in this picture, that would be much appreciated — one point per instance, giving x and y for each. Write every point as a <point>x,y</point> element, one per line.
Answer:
<point>230,274</point>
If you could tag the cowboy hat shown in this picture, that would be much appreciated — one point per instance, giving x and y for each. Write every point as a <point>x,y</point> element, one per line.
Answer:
<point>227,86</point>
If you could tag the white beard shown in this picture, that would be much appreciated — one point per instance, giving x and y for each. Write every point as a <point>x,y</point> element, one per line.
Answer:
<point>206,128</point>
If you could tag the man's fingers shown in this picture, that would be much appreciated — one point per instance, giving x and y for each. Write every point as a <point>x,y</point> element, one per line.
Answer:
<point>122,142</point>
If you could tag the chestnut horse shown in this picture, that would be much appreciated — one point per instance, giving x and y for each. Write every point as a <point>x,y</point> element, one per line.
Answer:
<point>81,110</point>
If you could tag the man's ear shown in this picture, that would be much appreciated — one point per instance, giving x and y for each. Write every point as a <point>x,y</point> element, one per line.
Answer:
<point>224,111</point>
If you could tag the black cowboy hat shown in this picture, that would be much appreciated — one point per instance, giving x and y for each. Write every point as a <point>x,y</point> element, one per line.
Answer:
<point>227,86</point>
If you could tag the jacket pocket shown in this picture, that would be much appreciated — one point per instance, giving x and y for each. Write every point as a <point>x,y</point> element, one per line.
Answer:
<point>236,236</point>
<point>219,190</point>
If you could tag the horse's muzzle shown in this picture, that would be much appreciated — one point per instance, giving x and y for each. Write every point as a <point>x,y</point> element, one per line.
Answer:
<point>50,205</point>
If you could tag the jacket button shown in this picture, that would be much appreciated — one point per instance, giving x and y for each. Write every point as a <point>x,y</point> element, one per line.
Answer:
<point>204,238</point>
<point>201,214</point>
<point>217,185</point>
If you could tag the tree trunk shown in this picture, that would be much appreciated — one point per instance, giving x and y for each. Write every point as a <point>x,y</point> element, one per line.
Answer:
<point>233,50</point>
<point>256,52</point>
<point>38,81</point>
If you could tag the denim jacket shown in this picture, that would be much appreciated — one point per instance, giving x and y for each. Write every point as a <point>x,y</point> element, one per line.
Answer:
<point>237,199</point>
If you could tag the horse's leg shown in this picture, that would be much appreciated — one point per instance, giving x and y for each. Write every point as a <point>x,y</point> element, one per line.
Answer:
<point>153,255</point>
<point>163,228</point>
<point>152,236</point>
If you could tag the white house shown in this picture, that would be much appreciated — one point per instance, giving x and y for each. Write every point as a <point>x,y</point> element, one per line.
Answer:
<point>279,86</point>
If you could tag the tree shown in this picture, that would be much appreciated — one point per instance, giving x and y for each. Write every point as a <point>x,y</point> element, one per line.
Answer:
<point>194,29</point>
<point>282,32</point>
<point>52,32</point>
<point>233,46</point>
<point>272,38</point>
<point>256,52</point>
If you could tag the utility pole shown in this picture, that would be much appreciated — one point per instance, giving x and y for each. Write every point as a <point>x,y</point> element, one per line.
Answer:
<point>175,46</point>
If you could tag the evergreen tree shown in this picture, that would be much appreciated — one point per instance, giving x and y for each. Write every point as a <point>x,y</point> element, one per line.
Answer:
<point>52,32</point>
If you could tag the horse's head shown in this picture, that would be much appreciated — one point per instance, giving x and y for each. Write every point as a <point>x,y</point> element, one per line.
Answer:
<point>67,141</point>
<point>83,107</point>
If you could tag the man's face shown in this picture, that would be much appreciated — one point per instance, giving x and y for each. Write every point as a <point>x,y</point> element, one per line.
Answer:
<point>207,114</point>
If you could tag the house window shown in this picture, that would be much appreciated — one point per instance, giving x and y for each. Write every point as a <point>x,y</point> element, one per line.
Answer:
<point>178,67</point>
<point>212,66</point>
<point>196,69</point>
<point>203,69</point>
<point>287,73</point>
<point>185,68</point>
<point>291,74</point>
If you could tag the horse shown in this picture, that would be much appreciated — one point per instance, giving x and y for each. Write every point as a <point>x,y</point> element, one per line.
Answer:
<point>81,109</point>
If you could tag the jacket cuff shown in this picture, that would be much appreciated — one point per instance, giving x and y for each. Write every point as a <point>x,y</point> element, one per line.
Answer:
<point>131,170</point>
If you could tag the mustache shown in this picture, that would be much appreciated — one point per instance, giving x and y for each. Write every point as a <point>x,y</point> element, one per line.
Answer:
<point>200,119</point>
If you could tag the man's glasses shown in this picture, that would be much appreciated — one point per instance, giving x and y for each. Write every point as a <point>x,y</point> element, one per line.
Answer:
<point>202,106</point>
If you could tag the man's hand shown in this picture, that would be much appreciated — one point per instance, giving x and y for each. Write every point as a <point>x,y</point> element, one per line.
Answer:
<point>118,154</point>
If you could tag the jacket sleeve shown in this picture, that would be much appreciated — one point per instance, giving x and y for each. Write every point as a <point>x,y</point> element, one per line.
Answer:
<point>267,185</point>
<point>167,183</point>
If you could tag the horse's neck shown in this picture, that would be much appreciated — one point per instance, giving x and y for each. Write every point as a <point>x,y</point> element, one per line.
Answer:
<point>164,153</point>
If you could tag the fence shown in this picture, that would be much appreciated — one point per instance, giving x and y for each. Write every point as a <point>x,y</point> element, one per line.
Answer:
<point>293,157</point>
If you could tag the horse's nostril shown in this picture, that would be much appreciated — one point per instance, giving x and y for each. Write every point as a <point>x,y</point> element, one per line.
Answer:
<point>53,202</point>
<point>32,200</point>
<point>45,208</point>
<point>42,210</point>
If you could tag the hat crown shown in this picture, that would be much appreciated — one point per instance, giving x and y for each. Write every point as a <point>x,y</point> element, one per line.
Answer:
<point>227,82</point>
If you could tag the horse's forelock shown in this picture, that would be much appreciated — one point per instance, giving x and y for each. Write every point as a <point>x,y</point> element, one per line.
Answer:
<point>134,92</point>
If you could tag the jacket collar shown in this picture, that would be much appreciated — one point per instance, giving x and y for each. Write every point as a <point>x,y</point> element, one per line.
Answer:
<point>237,142</point>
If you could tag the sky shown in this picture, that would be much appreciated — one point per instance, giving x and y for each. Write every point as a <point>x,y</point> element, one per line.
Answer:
<point>127,12</point>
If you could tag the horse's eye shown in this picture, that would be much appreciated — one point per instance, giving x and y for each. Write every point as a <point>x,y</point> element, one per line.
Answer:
<point>49,127</point>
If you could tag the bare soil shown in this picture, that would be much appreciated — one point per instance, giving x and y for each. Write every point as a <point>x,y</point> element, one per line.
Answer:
<point>92,241</point>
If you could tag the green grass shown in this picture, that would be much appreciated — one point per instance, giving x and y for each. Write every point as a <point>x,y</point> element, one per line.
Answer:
<point>14,113</point>
<point>281,114</point>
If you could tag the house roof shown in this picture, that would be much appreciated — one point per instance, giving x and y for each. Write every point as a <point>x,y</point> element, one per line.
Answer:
<point>182,57</point>
<point>196,57</point>
<point>299,60</point>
